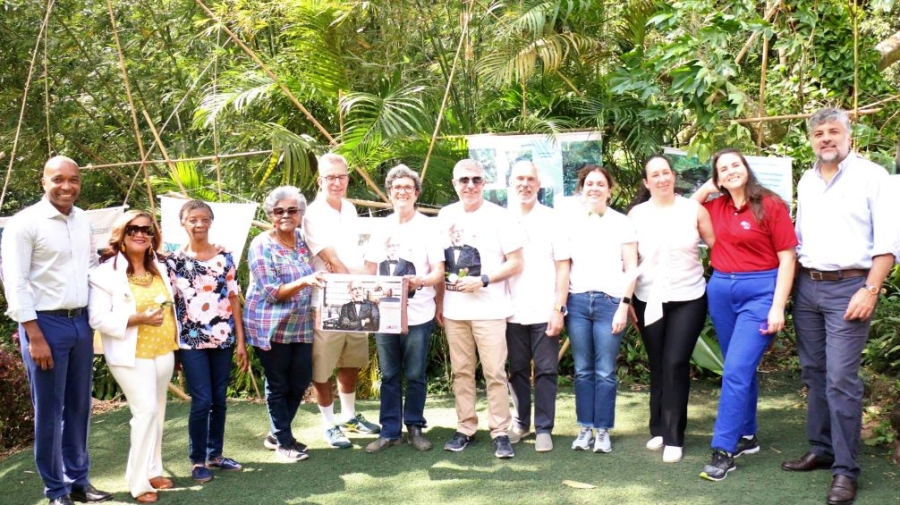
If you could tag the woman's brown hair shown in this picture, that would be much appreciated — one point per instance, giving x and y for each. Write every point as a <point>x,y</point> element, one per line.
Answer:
<point>117,241</point>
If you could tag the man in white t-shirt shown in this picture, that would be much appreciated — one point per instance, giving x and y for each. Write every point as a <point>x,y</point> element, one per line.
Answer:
<point>539,296</point>
<point>330,226</point>
<point>476,306</point>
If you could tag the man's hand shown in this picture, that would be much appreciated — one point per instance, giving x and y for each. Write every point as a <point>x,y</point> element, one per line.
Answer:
<point>555,325</point>
<point>861,306</point>
<point>469,284</point>
<point>37,345</point>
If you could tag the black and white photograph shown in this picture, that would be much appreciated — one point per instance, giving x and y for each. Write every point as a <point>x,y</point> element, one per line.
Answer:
<point>363,303</point>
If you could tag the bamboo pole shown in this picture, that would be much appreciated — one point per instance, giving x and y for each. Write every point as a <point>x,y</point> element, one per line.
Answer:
<point>12,152</point>
<point>382,205</point>
<point>743,52</point>
<point>179,160</point>
<point>761,109</point>
<point>862,112</point>
<point>162,149</point>
<point>134,120</point>
<point>853,9</point>
<point>437,123</point>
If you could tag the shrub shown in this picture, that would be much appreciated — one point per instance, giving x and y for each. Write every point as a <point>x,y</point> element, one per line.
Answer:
<point>17,415</point>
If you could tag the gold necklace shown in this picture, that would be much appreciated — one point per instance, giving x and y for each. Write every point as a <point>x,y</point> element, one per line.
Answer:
<point>282,242</point>
<point>142,280</point>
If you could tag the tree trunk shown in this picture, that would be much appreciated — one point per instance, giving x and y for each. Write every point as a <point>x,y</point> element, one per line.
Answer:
<point>889,49</point>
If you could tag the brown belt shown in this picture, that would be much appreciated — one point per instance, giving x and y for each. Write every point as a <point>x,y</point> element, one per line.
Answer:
<point>833,275</point>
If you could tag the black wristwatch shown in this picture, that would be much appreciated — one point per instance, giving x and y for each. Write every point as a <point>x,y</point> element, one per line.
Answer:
<point>627,300</point>
<point>485,280</point>
<point>562,309</point>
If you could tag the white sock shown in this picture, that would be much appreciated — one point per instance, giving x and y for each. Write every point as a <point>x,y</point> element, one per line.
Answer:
<point>747,437</point>
<point>328,416</point>
<point>348,405</point>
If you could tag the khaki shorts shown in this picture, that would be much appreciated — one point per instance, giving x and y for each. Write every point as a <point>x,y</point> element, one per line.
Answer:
<point>334,349</point>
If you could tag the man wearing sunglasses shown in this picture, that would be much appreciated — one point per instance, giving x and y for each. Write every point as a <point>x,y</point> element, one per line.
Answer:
<point>47,252</point>
<point>330,225</point>
<point>476,306</point>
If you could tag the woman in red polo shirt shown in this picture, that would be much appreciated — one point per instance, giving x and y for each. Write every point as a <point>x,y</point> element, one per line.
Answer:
<point>753,260</point>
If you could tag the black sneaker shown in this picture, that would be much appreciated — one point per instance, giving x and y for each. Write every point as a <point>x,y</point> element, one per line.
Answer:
<point>747,446</point>
<point>458,442</point>
<point>503,448</point>
<point>718,467</point>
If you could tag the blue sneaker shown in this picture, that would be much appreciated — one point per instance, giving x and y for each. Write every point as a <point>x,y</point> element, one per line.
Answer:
<point>227,464</point>
<point>358,424</point>
<point>201,474</point>
<point>336,438</point>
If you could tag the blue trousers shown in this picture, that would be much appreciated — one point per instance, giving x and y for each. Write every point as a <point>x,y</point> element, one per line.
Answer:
<point>208,372</point>
<point>526,343</point>
<point>595,349</point>
<point>739,306</point>
<point>830,350</point>
<point>62,402</point>
<point>404,355</point>
<point>288,370</point>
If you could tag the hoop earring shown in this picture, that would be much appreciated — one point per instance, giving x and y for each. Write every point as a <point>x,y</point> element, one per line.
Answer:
<point>122,247</point>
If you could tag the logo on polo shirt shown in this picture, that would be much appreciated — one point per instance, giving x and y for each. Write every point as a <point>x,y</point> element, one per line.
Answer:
<point>745,225</point>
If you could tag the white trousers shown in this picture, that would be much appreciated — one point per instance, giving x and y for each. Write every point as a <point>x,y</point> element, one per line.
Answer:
<point>145,386</point>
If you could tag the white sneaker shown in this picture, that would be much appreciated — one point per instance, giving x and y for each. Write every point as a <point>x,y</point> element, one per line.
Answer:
<point>602,442</point>
<point>543,442</point>
<point>516,434</point>
<point>655,443</point>
<point>672,454</point>
<point>584,440</point>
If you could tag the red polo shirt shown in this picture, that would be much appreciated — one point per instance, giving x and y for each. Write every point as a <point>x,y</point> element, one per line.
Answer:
<point>742,244</point>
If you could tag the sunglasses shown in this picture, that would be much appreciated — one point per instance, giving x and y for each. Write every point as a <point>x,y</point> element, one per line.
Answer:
<point>132,230</point>
<point>464,181</point>
<point>291,211</point>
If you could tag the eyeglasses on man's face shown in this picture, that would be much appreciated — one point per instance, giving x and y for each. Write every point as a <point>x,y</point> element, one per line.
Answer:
<point>403,189</point>
<point>330,179</point>
<point>290,211</point>
<point>132,230</point>
<point>464,181</point>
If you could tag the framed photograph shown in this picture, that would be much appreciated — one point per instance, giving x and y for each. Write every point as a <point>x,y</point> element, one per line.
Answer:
<point>363,303</point>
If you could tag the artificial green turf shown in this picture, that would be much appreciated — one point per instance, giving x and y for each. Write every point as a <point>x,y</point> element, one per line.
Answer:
<point>630,474</point>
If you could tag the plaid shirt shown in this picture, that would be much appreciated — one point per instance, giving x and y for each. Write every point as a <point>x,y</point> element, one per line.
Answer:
<point>266,319</point>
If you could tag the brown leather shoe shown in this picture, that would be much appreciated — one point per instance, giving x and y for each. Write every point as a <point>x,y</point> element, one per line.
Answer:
<point>842,491</point>
<point>147,498</point>
<point>807,463</point>
<point>416,439</point>
<point>161,483</point>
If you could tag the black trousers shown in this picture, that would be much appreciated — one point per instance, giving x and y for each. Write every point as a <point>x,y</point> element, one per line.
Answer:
<point>527,342</point>
<point>670,342</point>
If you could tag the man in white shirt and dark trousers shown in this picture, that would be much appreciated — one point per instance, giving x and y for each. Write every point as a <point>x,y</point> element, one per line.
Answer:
<point>47,252</point>
<point>844,254</point>
<point>476,306</point>
<point>539,296</point>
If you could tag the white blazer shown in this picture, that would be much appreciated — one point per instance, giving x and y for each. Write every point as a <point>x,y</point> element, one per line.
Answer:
<point>111,304</point>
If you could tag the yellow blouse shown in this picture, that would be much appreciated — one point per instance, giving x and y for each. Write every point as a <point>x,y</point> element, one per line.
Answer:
<point>153,341</point>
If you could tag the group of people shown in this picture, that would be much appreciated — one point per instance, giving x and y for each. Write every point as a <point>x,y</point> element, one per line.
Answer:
<point>502,282</point>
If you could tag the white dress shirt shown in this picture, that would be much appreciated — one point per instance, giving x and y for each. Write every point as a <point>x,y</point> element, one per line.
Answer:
<point>844,223</point>
<point>46,258</point>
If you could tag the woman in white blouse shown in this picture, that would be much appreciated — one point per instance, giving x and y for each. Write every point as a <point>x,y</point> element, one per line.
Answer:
<point>604,251</point>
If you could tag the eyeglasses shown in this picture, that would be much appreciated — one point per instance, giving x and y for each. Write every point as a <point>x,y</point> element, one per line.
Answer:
<point>464,181</point>
<point>403,189</point>
<point>132,230</point>
<point>336,178</point>
<point>290,211</point>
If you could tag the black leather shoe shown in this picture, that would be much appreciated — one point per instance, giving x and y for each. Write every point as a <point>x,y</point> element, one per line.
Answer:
<point>842,491</point>
<point>807,463</point>
<point>89,494</point>
<point>62,500</point>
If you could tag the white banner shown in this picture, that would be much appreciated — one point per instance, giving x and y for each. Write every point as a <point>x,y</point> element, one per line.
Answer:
<point>101,223</point>
<point>773,172</point>
<point>229,230</point>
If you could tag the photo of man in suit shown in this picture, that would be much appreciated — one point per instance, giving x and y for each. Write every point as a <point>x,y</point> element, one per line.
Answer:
<point>460,255</point>
<point>395,265</point>
<point>359,314</point>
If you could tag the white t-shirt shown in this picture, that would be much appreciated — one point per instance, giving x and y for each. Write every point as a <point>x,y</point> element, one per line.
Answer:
<point>668,251</point>
<point>534,290</point>
<point>484,238</point>
<point>419,244</point>
<point>596,247</point>
<point>325,227</point>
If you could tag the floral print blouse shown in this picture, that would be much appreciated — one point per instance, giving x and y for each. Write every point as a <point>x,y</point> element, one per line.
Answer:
<point>203,291</point>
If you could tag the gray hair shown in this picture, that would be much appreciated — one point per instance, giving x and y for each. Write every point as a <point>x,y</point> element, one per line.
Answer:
<point>333,159</point>
<point>828,115</point>
<point>282,193</point>
<point>467,163</point>
<point>399,172</point>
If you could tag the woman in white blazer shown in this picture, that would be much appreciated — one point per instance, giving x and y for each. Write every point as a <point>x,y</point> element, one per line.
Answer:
<point>131,306</point>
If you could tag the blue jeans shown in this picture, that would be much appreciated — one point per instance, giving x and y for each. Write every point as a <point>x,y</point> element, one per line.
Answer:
<point>399,356</point>
<point>830,350</point>
<point>62,402</point>
<point>288,370</point>
<point>739,307</point>
<point>595,349</point>
<point>208,372</point>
